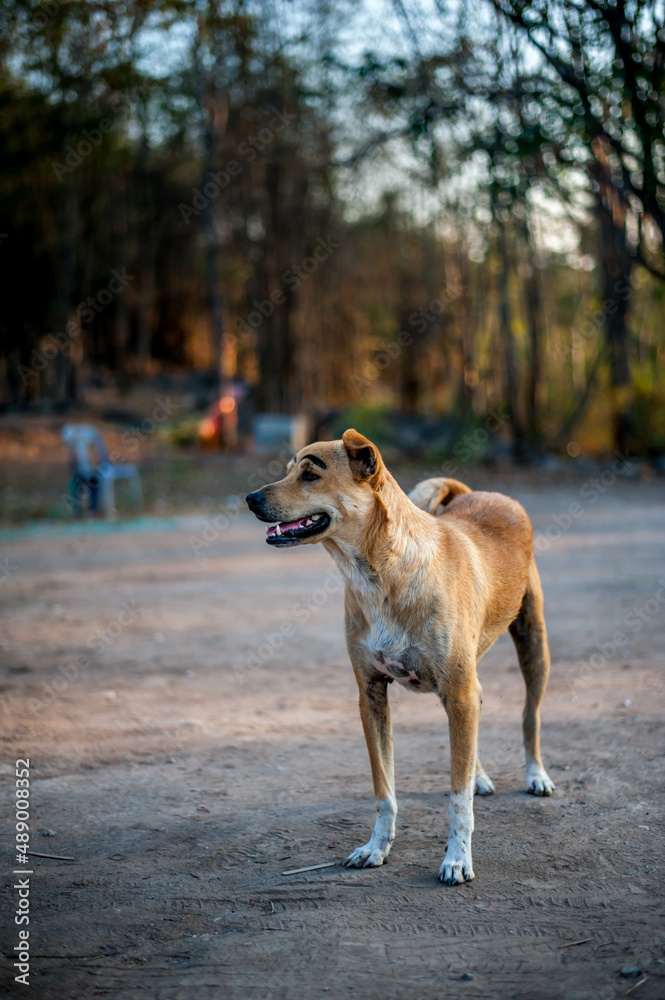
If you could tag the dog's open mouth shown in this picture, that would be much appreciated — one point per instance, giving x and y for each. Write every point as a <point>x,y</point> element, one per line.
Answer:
<point>291,532</point>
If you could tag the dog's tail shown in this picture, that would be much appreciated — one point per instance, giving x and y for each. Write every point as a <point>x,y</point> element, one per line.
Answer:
<point>433,495</point>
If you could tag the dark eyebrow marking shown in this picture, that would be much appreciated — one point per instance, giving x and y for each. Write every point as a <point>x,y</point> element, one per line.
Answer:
<point>317,461</point>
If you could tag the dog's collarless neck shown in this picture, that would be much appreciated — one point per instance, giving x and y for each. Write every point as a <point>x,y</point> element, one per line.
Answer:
<point>388,570</point>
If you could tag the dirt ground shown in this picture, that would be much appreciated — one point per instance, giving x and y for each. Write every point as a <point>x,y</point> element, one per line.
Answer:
<point>208,740</point>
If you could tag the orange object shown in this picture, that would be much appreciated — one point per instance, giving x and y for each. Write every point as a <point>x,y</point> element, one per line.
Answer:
<point>207,429</point>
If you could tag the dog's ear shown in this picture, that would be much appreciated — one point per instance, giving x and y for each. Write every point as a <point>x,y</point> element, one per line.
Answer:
<point>364,458</point>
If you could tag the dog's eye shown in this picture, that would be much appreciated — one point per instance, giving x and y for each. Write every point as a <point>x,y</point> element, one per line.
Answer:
<point>309,476</point>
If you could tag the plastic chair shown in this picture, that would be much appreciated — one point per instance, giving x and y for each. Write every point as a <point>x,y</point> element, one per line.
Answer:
<point>96,481</point>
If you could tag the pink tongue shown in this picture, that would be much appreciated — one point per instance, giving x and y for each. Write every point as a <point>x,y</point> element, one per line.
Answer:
<point>286,526</point>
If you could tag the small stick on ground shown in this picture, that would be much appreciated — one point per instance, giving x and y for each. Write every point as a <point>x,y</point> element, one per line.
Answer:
<point>56,857</point>
<point>311,868</point>
<point>633,988</point>
<point>571,944</point>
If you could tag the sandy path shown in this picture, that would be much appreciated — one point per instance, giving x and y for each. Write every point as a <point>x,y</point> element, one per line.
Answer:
<point>210,741</point>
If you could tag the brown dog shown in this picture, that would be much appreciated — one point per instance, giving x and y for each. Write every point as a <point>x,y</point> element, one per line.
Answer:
<point>432,580</point>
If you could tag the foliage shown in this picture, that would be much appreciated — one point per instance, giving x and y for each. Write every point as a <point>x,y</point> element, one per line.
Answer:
<point>466,215</point>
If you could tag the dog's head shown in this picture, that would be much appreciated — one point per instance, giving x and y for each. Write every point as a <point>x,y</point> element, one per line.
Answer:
<point>329,491</point>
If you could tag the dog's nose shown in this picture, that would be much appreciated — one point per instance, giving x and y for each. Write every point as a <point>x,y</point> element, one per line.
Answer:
<point>255,499</point>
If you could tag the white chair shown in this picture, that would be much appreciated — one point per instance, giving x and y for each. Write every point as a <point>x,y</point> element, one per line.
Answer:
<point>95,480</point>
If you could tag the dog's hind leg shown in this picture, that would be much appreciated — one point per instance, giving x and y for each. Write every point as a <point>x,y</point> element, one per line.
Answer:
<point>375,715</point>
<point>484,784</point>
<point>463,709</point>
<point>530,637</point>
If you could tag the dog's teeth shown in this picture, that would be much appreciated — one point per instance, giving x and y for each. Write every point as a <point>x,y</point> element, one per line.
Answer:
<point>308,521</point>
<point>278,530</point>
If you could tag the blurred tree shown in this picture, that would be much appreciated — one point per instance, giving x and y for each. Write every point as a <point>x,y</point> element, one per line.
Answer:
<point>452,224</point>
<point>609,58</point>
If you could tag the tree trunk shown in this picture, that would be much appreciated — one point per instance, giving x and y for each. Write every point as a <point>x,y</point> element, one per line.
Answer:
<point>466,322</point>
<point>120,306</point>
<point>215,297</point>
<point>285,244</point>
<point>508,343</point>
<point>144,316</point>
<point>534,316</point>
<point>63,379</point>
<point>617,293</point>
<point>409,358</point>
<point>214,109</point>
<point>146,240</point>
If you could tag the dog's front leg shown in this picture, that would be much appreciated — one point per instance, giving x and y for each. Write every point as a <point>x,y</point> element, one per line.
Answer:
<point>375,715</point>
<point>463,710</point>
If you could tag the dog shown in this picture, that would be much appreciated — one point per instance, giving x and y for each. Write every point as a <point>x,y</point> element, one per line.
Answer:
<point>432,580</point>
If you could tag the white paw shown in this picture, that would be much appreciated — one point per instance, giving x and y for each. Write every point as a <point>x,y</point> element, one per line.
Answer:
<point>376,850</point>
<point>484,785</point>
<point>367,856</point>
<point>457,866</point>
<point>455,870</point>
<point>538,781</point>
